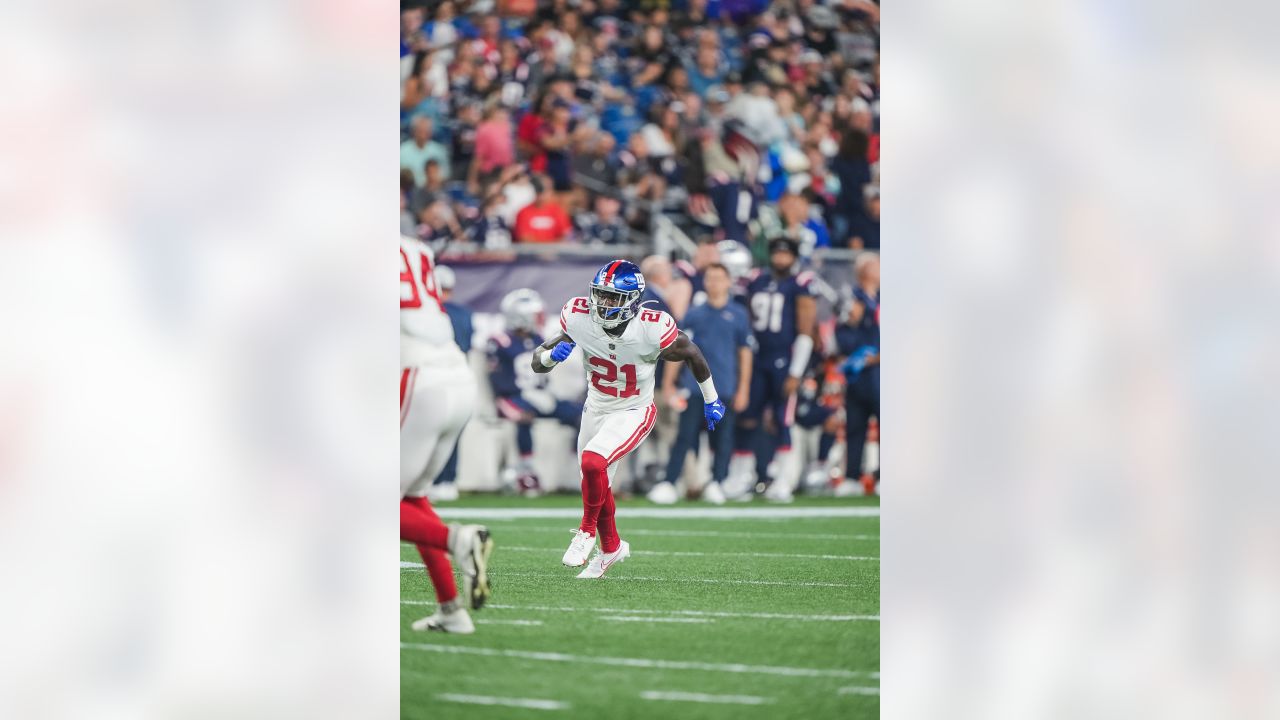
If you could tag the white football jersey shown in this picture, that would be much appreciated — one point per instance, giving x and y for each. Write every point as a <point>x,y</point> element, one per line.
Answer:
<point>426,333</point>
<point>619,369</point>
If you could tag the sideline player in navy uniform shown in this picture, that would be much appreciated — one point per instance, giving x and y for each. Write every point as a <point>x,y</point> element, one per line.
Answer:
<point>520,394</point>
<point>784,320</point>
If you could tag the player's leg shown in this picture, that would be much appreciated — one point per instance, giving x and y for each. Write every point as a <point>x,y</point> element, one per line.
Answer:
<point>584,537</point>
<point>741,479</point>
<point>687,437</point>
<point>439,403</point>
<point>720,441</point>
<point>520,412</point>
<point>620,433</point>
<point>786,468</point>
<point>858,409</point>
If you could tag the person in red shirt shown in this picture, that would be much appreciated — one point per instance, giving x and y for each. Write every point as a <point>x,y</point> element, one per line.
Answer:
<point>543,221</point>
<point>527,133</point>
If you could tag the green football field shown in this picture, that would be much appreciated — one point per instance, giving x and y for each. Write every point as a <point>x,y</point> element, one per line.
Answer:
<point>772,614</point>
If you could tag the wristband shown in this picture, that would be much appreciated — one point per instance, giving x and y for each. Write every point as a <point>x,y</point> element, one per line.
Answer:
<point>545,359</point>
<point>800,351</point>
<point>708,391</point>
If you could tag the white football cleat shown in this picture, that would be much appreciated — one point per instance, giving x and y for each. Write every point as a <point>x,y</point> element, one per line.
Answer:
<point>664,493</point>
<point>713,493</point>
<point>848,488</point>
<point>778,492</point>
<point>444,492</point>
<point>579,548</point>
<point>457,622</point>
<point>603,561</point>
<point>470,546</point>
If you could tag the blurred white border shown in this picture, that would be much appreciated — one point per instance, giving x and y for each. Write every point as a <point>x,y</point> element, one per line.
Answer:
<point>198,443</point>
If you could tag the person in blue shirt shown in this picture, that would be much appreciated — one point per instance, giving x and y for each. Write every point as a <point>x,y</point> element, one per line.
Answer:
<point>723,330</point>
<point>445,487</point>
<point>858,339</point>
<point>520,394</point>
<point>784,321</point>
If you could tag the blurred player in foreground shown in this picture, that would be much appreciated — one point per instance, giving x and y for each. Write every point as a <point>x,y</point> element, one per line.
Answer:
<point>522,396</point>
<point>622,343</point>
<point>437,395</point>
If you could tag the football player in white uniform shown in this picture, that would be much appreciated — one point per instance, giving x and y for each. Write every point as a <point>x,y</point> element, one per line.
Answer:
<point>622,343</point>
<point>437,394</point>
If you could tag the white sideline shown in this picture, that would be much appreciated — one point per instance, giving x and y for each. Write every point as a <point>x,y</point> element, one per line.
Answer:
<point>639,662</point>
<point>703,698</point>
<point>670,513</point>
<point>694,613</point>
<point>528,703</point>
<point>666,553</point>
<point>486,621</point>
<point>708,533</point>
<point>854,690</point>
<point>654,619</point>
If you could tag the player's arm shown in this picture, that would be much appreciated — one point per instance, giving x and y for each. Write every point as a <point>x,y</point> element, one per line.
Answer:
<point>743,396</point>
<point>802,348</point>
<point>683,350</point>
<point>551,353</point>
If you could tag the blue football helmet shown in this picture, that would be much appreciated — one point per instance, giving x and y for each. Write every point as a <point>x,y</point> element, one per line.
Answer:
<point>615,293</point>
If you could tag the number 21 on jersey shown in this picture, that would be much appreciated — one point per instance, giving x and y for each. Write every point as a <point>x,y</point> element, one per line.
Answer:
<point>604,371</point>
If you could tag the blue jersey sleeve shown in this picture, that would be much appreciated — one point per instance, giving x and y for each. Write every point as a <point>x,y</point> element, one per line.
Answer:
<point>502,371</point>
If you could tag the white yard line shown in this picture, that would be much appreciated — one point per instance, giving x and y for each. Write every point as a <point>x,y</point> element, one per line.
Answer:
<point>485,621</point>
<point>708,581</point>
<point>654,619</point>
<point>692,613</point>
<point>528,703</point>
<point>854,690</point>
<point>406,565</point>
<point>639,662</point>
<point>703,698</point>
<point>665,553</point>
<point>745,513</point>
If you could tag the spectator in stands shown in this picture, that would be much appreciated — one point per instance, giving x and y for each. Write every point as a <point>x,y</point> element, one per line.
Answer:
<point>798,222</point>
<point>554,139</point>
<point>463,140</point>
<point>432,190</point>
<point>865,232</point>
<point>706,255</point>
<point>490,230</point>
<point>543,221</point>
<point>858,339</point>
<point>854,170</point>
<point>605,226</point>
<point>494,149</point>
<point>416,151</point>
<point>670,293</point>
<point>723,330</point>
<point>408,225</point>
<point>596,165</point>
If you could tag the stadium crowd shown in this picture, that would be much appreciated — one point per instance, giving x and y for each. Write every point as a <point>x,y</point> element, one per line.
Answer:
<point>580,121</point>
<point>752,126</point>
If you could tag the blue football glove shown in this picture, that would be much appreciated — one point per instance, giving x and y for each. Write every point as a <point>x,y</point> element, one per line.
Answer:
<point>562,351</point>
<point>714,412</point>
<point>857,362</point>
